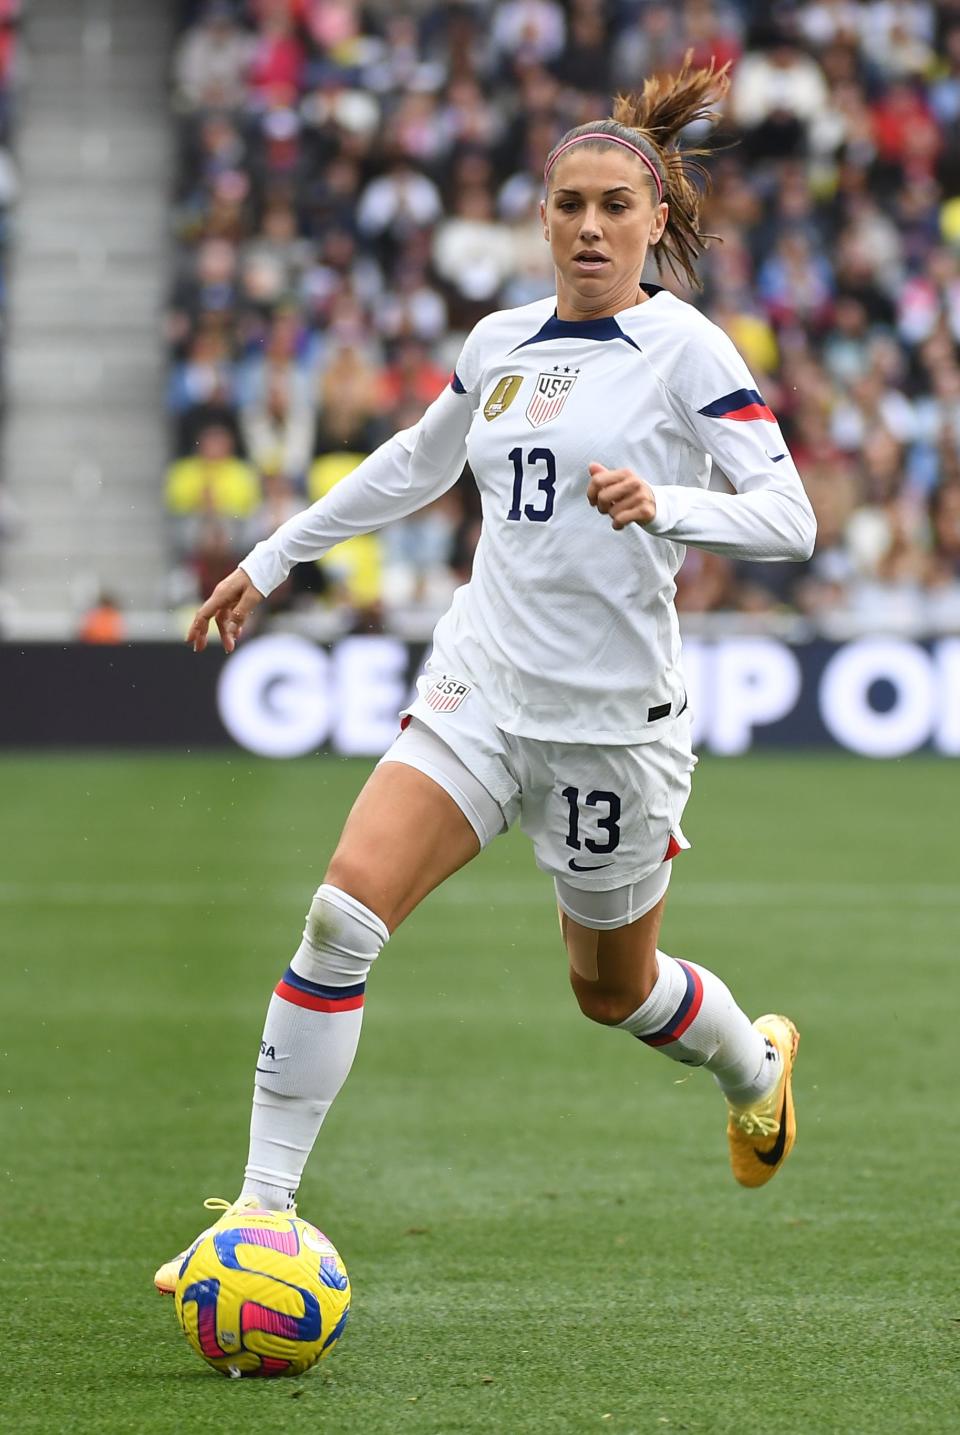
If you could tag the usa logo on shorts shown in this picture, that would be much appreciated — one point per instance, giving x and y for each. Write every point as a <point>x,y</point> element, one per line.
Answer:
<point>550,395</point>
<point>447,694</point>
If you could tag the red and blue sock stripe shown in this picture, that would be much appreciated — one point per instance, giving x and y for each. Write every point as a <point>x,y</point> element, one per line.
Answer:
<point>685,1013</point>
<point>316,997</point>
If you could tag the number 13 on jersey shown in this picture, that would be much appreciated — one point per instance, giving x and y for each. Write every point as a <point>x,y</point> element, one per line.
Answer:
<point>546,484</point>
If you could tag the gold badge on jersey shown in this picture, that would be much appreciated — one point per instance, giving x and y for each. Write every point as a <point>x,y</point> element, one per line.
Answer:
<point>502,396</point>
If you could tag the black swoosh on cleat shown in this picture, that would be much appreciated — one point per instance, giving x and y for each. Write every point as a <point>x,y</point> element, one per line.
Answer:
<point>590,867</point>
<point>775,1154</point>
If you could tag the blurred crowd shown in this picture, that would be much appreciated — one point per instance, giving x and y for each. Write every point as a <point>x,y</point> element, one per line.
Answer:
<point>9,19</point>
<point>357,185</point>
<point>10,55</point>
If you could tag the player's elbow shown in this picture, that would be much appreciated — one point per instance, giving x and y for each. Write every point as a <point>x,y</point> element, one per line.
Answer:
<point>806,535</point>
<point>800,535</point>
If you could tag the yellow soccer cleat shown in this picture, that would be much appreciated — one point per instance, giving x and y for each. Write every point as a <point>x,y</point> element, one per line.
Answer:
<point>165,1279</point>
<point>761,1136</point>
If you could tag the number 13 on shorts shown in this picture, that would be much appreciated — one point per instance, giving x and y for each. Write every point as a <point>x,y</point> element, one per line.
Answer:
<point>605,814</point>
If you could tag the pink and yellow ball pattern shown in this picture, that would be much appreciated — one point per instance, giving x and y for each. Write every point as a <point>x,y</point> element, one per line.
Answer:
<point>265,1294</point>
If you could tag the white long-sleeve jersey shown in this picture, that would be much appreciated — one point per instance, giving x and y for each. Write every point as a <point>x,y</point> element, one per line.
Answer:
<point>567,626</point>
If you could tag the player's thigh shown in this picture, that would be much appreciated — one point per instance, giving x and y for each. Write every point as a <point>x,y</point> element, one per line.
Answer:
<point>404,836</point>
<point>605,822</point>
<point>422,814</point>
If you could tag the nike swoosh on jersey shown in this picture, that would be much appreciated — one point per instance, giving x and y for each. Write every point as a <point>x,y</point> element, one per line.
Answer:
<point>591,867</point>
<point>775,1154</point>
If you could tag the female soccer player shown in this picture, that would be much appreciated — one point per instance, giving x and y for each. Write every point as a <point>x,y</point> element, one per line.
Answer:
<point>554,693</point>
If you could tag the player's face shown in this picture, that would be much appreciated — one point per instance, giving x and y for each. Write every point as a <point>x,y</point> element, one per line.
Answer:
<point>599,218</point>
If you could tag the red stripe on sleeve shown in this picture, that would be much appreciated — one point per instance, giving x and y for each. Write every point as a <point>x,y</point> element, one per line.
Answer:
<point>751,411</point>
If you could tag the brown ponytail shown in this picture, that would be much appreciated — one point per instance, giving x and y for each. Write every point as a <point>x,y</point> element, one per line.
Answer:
<point>651,121</point>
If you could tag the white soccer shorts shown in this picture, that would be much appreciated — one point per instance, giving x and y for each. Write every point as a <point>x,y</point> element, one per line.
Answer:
<point>604,821</point>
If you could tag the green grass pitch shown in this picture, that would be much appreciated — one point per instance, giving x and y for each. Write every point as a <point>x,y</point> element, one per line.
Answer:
<point>537,1214</point>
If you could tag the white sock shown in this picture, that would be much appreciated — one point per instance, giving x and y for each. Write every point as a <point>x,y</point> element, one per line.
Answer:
<point>309,1042</point>
<point>691,1017</point>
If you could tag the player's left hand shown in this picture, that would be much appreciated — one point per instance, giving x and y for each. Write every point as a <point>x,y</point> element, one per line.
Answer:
<point>620,493</point>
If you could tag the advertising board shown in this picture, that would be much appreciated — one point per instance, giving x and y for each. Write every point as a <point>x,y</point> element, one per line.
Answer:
<point>284,696</point>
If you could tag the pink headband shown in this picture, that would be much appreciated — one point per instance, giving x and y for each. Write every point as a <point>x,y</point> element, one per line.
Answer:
<point>611,139</point>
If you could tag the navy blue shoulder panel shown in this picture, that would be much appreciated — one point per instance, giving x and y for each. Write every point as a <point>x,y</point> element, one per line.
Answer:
<point>601,330</point>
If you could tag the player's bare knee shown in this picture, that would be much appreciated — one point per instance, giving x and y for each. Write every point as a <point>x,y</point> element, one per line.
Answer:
<point>604,998</point>
<point>605,1005</point>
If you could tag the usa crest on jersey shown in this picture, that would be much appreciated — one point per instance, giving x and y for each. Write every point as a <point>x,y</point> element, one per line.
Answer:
<point>549,395</point>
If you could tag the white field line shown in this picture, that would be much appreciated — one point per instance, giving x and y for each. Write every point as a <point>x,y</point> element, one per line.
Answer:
<point>477,892</point>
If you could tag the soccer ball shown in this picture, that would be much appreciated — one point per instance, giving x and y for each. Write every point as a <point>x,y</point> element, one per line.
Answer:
<point>264,1294</point>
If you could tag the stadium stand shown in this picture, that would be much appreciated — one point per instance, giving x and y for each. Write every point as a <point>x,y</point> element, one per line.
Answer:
<point>9,185</point>
<point>356,188</point>
<point>84,431</point>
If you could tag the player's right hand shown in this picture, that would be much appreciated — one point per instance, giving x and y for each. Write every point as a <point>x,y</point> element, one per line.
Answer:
<point>230,603</point>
